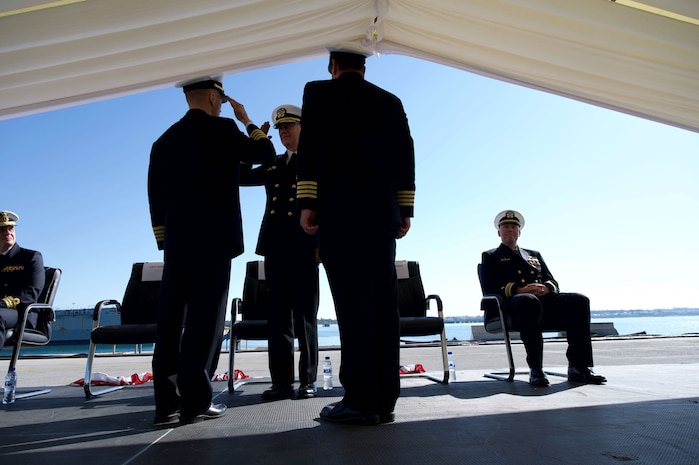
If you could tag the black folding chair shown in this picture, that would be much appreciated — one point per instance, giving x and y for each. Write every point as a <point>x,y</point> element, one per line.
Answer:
<point>138,317</point>
<point>413,307</point>
<point>40,335</point>
<point>252,309</point>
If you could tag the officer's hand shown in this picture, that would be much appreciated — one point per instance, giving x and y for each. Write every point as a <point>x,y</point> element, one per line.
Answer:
<point>403,230</point>
<point>308,221</point>
<point>239,111</point>
<point>265,129</point>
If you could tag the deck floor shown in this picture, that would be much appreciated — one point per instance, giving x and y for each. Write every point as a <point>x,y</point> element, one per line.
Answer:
<point>647,413</point>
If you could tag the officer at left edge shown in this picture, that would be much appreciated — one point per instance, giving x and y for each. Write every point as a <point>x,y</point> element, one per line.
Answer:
<point>22,276</point>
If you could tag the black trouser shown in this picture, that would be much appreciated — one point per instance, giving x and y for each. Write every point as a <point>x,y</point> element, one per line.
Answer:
<point>362,276</point>
<point>8,320</point>
<point>292,286</point>
<point>567,312</point>
<point>191,314</point>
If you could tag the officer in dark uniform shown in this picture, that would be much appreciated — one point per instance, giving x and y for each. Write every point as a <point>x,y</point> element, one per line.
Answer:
<point>356,190</point>
<point>22,276</point>
<point>291,266</point>
<point>195,213</point>
<point>533,301</point>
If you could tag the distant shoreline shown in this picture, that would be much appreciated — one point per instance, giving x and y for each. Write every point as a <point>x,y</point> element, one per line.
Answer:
<point>593,314</point>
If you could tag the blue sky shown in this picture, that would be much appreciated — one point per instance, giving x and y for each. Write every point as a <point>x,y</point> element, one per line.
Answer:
<point>609,199</point>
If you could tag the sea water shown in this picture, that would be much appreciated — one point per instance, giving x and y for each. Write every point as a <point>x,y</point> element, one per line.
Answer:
<point>329,336</point>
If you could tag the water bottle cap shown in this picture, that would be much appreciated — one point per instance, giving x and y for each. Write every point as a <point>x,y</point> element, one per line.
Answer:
<point>449,353</point>
<point>327,358</point>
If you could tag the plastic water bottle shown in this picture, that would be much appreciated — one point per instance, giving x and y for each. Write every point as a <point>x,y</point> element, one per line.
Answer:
<point>452,367</point>
<point>8,396</point>
<point>327,374</point>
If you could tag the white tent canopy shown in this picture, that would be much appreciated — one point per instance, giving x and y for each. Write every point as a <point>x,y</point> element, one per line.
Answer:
<point>641,59</point>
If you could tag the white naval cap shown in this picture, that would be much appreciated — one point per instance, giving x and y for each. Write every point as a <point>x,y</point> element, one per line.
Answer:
<point>203,82</point>
<point>509,216</point>
<point>286,114</point>
<point>8,218</point>
<point>352,48</point>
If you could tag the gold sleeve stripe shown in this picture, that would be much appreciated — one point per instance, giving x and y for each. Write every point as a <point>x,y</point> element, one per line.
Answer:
<point>10,301</point>
<point>257,134</point>
<point>159,232</point>
<point>307,190</point>
<point>406,198</point>
<point>508,289</point>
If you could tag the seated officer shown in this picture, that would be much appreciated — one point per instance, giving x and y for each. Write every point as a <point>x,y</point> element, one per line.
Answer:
<point>21,276</point>
<point>532,300</point>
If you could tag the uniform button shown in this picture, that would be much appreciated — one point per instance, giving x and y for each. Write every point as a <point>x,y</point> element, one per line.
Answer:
<point>290,214</point>
<point>293,186</point>
<point>531,272</point>
<point>291,199</point>
<point>523,281</point>
<point>276,185</point>
<point>519,271</point>
<point>274,199</point>
<point>272,212</point>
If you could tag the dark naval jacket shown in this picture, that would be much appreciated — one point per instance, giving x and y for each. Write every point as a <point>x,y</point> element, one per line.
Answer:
<point>280,232</point>
<point>369,176</point>
<point>22,278</point>
<point>193,182</point>
<point>504,270</point>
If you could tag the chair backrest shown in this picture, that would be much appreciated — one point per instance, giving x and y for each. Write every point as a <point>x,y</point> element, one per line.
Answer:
<point>254,304</point>
<point>48,293</point>
<point>39,331</point>
<point>480,277</point>
<point>411,293</point>
<point>46,296</point>
<point>140,303</point>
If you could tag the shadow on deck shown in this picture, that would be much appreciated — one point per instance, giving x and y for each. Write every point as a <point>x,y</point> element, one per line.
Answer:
<point>645,414</point>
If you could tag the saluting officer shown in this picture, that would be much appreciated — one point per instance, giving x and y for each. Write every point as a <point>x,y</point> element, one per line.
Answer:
<point>291,266</point>
<point>195,213</point>
<point>532,299</point>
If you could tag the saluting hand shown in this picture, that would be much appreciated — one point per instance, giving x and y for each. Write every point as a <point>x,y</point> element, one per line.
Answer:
<point>265,128</point>
<point>239,111</point>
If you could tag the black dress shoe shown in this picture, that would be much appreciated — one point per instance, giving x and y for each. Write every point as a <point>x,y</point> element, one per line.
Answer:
<point>584,376</point>
<point>278,393</point>
<point>387,418</point>
<point>537,378</point>
<point>340,413</point>
<point>214,411</point>
<point>167,420</point>
<point>307,391</point>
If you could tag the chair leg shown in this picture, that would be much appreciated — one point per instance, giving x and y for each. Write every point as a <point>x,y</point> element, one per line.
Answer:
<point>231,363</point>
<point>499,375</point>
<point>445,361</point>
<point>22,394</point>
<point>87,385</point>
<point>444,379</point>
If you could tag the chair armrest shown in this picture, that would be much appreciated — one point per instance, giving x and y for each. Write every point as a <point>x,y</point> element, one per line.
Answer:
<point>491,305</point>
<point>491,302</point>
<point>236,308</point>
<point>43,308</point>
<point>98,310</point>
<point>437,299</point>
